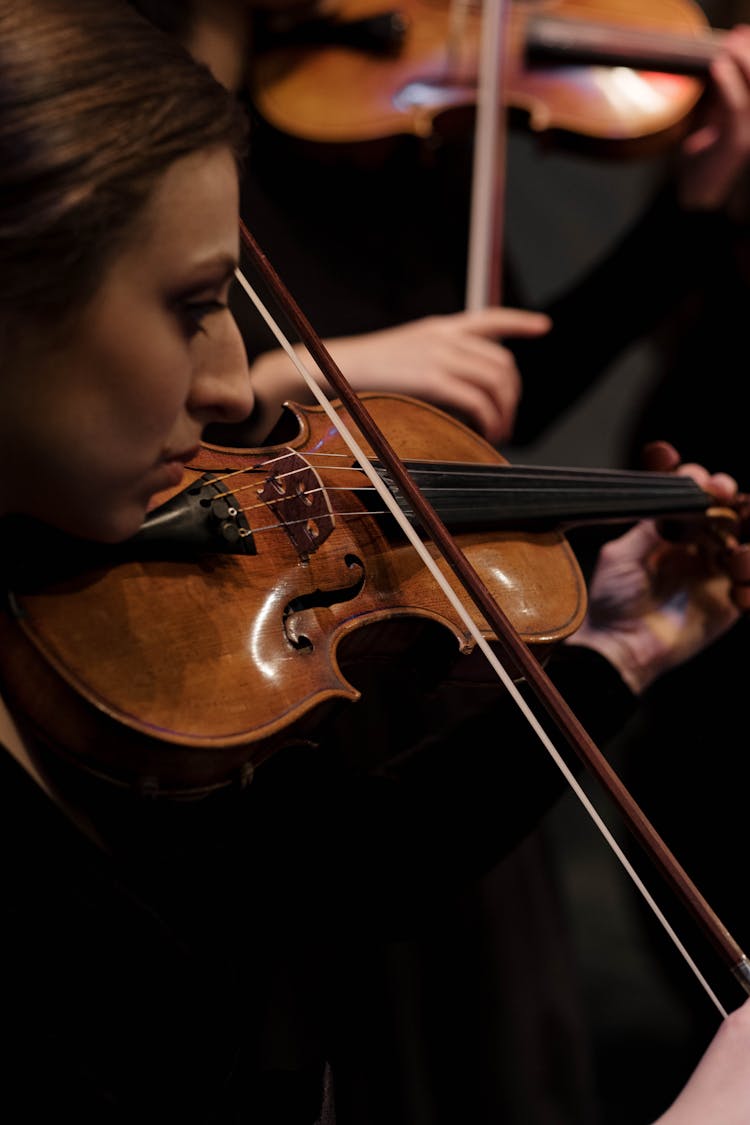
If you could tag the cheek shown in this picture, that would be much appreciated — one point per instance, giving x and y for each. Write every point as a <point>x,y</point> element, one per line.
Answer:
<point>84,488</point>
<point>85,427</point>
<point>149,412</point>
<point>146,388</point>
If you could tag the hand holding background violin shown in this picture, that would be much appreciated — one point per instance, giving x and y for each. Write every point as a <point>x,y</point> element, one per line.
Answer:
<point>716,151</point>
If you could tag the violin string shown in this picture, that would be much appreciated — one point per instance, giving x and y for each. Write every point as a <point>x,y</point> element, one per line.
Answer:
<point>492,658</point>
<point>447,509</point>
<point>564,472</point>
<point>261,466</point>
<point>649,483</point>
<point>302,520</point>
<point>439,495</point>
<point>685,485</point>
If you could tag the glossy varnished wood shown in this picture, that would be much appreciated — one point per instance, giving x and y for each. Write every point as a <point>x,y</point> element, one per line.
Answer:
<point>340,94</point>
<point>186,670</point>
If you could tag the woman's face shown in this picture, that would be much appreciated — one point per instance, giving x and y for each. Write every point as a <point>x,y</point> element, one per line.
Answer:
<point>94,425</point>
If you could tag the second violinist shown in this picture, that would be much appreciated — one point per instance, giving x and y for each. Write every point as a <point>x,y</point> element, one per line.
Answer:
<point>188,960</point>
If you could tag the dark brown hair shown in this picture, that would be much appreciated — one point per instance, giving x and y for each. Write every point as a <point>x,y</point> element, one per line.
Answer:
<point>95,104</point>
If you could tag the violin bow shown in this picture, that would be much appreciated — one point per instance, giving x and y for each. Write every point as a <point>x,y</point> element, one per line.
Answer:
<point>485,253</point>
<point>514,651</point>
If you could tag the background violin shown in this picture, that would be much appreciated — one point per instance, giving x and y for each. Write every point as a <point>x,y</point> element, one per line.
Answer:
<point>613,70</point>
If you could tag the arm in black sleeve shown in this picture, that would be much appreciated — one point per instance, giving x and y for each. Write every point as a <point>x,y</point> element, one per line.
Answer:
<point>445,808</point>
<point>382,844</point>
<point>489,775</point>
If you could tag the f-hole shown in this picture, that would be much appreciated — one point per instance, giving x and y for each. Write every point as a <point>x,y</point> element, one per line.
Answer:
<point>318,599</point>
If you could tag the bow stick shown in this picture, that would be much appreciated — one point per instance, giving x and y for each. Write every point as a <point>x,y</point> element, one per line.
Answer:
<point>513,648</point>
<point>485,257</point>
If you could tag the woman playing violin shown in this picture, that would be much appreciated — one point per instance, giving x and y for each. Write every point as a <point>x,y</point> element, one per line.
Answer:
<point>177,959</point>
<point>376,228</point>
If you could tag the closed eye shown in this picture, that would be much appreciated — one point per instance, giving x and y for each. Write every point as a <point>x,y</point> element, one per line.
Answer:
<point>193,314</point>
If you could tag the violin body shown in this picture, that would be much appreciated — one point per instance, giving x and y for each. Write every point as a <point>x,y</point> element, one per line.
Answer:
<point>183,669</point>
<point>339,94</point>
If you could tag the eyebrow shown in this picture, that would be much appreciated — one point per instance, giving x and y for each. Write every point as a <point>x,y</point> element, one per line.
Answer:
<point>222,266</point>
<point>205,274</point>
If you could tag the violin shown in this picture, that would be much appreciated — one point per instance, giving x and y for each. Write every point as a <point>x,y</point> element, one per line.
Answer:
<point>261,566</point>
<point>273,601</point>
<point>604,70</point>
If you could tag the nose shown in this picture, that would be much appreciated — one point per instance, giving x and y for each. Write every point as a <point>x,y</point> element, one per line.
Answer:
<point>221,390</point>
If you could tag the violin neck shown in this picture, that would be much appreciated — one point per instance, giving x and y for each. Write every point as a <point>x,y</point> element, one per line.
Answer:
<point>467,495</point>
<point>571,41</point>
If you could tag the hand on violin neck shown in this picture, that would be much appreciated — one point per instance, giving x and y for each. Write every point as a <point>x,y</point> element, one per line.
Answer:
<point>725,522</point>
<point>655,603</point>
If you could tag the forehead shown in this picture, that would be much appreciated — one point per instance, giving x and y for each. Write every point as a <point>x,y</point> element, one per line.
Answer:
<point>192,214</point>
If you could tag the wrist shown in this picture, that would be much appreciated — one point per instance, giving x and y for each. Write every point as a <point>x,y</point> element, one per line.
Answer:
<point>635,658</point>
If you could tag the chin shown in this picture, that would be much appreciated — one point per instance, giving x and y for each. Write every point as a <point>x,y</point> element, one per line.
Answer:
<point>116,528</point>
<point>119,531</point>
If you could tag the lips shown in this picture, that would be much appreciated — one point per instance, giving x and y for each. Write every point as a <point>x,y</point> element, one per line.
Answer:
<point>170,474</point>
<point>184,457</point>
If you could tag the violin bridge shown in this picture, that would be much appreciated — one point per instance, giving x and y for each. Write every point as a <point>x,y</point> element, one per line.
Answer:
<point>298,498</point>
